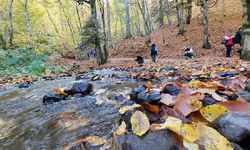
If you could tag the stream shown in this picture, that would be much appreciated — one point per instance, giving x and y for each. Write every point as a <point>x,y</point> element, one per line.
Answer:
<point>26,123</point>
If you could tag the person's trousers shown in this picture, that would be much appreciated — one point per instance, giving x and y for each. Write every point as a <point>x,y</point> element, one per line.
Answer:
<point>229,50</point>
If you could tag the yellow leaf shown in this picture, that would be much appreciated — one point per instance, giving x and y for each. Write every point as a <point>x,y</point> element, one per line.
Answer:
<point>125,109</point>
<point>187,131</point>
<point>148,84</point>
<point>121,129</point>
<point>211,139</point>
<point>140,123</point>
<point>190,146</point>
<point>196,105</point>
<point>212,112</point>
<point>59,91</point>
<point>194,84</point>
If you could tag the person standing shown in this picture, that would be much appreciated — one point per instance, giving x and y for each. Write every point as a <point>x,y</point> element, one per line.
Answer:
<point>229,43</point>
<point>154,52</point>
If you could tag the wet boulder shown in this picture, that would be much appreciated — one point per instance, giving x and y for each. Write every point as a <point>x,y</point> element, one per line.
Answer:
<point>208,100</point>
<point>135,92</point>
<point>230,73</point>
<point>82,88</point>
<point>245,95</point>
<point>24,85</point>
<point>171,89</point>
<point>234,126</point>
<point>152,97</point>
<point>159,140</point>
<point>52,98</point>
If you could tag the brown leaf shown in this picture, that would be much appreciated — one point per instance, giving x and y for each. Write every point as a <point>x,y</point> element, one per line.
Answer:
<point>152,108</point>
<point>237,106</point>
<point>155,127</point>
<point>93,140</point>
<point>197,117</point>
<point>183,104</point>
<point>148,84</point>
<point>59,91</point>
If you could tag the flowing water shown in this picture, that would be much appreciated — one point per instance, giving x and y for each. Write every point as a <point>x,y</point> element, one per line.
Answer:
<point>26,123</point>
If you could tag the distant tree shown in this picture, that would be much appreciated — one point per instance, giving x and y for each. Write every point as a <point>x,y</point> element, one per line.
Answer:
<point>127,19</point>
<point>160,13</point>
<point>189,11</point>
<point>168,10</point>
<point>246,30</point>
<point>28,23</point>
<point>204,8</point>
<point>9,32</point>
<point>95,36</point>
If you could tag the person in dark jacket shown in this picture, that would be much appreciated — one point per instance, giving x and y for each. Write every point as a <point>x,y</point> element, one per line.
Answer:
<point>154,52</point>
<point>238,39</point>
<point>139,60</point>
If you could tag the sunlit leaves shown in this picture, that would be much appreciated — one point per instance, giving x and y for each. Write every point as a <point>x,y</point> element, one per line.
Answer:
<point>140,123</point>
<point>213,112</point>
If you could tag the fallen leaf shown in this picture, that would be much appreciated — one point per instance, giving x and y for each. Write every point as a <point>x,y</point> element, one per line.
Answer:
<point>125,109</point>
<point>93,140</point>
<point>190,146</point>
<point>187,131</point>
<point>148,84</point>
<point>152,108</point>
<point>183,104</point>
<point>121,129</point>
<point>197,117</point>
<point>195,105</point>
<point>194,84</point>
<point>237,106</point>
<point>211,139</point>
<point>197,135</point>
<point>59,91</point>
<point>155,127</point>
<point>212,112</point>
<point>140,123</point>
<point>211,92</point>
<point>167,99</point>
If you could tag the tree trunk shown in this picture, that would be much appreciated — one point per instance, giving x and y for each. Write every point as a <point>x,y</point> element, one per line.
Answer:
<point>150,18</point>
<point>68,22</point>
<point>28,23</point>
<point>189,11</point>
<point>100,54</point>
<point>55,27</point>
<point>9,32</point>
<point>178,20</point>
<point>137,23</point>
<point>160,13</point>
<point>180,13</point>
<point>79,19</point>
<point>246,31</point>
<point>145,16</point>
<point>109,34</point>
<point>168,10</point>
<point>105,42</point>
<point>204,9</point>
<point>127,19</point>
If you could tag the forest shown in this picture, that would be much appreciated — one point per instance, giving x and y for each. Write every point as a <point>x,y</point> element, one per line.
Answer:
<point>125,74</point>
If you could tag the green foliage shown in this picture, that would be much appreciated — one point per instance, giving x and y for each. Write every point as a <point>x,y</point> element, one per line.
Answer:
<point>23,61</point>
<point>90,36</point>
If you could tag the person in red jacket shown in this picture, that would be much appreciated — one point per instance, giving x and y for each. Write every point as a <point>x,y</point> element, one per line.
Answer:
<point>229,43</point>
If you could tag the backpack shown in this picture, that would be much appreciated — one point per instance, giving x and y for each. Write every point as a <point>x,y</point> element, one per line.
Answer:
<point>224,40</point>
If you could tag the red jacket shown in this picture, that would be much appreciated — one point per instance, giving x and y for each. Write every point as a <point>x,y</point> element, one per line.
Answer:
<point>230,42</point>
